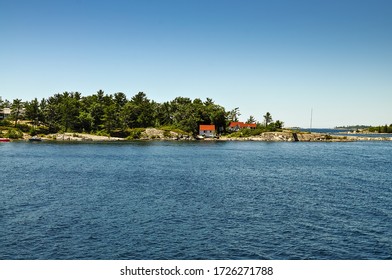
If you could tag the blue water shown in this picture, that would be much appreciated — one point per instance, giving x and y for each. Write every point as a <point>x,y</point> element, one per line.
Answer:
<point>196,200</point>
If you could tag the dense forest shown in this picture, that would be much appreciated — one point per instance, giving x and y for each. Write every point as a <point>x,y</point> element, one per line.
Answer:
<point>115,115</point>
<point>381,129</point>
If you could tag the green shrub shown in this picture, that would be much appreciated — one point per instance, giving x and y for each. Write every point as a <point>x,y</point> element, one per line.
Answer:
<point>246,132</point>
<point>33,131</point>
<point>256,131</point>
<point>42,130</point>
<point>169,128</point>
<point>119,133</point>
<point>14,133</point>
<point>38,130</point>
<point>23,127</point>
<point>102,133</point>
<point>5,123</point>
<point>135,133</point>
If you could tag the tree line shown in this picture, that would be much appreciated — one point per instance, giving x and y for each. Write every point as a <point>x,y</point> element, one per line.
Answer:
<point>114,114</point>
<point>381,129</point>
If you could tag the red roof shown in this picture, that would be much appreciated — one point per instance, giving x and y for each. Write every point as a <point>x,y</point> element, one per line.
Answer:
<point>207,127</point>
<point>250,125</point>
<point>242,125</point>
<point>234,124</point>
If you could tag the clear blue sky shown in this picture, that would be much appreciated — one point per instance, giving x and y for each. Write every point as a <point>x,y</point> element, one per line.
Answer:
<point>281,56</point>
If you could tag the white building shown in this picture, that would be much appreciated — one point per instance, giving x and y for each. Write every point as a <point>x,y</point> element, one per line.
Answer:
<point>5,113</point>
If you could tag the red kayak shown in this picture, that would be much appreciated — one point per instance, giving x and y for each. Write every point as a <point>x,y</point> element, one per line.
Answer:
<point>4,140</point>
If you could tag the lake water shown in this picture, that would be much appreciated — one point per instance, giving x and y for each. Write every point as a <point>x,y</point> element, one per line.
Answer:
<point>196,200</point>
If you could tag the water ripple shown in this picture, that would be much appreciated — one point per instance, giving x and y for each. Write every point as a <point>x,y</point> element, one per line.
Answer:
<point>164,200</point>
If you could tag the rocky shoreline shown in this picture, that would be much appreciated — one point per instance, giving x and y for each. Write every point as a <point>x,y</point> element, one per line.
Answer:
<point>304,137</point>
<point>157,134</point>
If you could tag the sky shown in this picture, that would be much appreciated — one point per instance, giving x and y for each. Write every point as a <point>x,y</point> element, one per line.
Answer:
<point>286,57</point>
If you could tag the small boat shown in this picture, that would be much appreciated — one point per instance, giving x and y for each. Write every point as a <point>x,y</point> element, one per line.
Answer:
<point>5,140</point>
<point>35,139</point>
<point>200,137</point>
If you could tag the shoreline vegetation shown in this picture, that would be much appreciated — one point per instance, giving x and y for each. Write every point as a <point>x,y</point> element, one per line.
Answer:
<point>101,117</point>
<point>153,134</point>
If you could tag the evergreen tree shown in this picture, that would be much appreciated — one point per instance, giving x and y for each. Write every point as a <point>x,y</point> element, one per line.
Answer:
<point>33,111</point>
<point>267,119</point>
<point>251,119</point>
<point>16,110</point>
<point>232,116</point>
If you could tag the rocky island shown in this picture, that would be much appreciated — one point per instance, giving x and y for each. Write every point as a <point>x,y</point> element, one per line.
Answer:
<point>151,134</point>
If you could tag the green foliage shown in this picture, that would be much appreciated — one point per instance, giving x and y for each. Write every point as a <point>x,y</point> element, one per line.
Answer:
<point>40,130</point>
<point>102,133</point>
<point>33,132</point>
<point>5,123</point>
<point>16,109</point>
<point>169,128</point>
<point>256,131</point>
<point>119,133</point>
<point>232,116</point>
<point>251,119</point>
<point>138,112</point>
<point>246,132</point>
<point>32,111</point>
<point>278,125</point>
<point>85,122</point>
<point>14,133</point>
<point>381,129</point>
<point>115,115</point>
<point>23,127</point>
<point>135,133</point>
<point>353,127</point>
<point>267,119</point>
<point>184,114</point>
